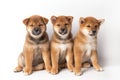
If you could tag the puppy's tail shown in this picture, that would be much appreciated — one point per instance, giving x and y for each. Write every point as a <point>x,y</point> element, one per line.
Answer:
<point>38,67</point>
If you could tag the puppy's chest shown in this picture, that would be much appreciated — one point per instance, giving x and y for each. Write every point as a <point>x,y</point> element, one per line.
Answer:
<point>62,51</point>
<point>62,47</point>
<point>88,47</point>
<point>37,53</point>
<point>37,50</point>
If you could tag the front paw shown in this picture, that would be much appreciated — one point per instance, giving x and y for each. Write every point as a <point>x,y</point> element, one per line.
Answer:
<point>99,69</point>
<point>70,68</point>
<point>27,71</point>
<point>77,72</point>
<point>18,69</point>
<point>54,71</point>
<point>48,69</point>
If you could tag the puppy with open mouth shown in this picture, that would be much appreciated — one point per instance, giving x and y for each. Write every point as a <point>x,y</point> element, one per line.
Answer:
<point>35,55</point>
<point>61,43</point>
<point>85,44</point>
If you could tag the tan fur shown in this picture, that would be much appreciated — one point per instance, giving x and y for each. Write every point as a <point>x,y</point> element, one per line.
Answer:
<point>85,44</point>
<point>61,45</point>
<point>35,55</point>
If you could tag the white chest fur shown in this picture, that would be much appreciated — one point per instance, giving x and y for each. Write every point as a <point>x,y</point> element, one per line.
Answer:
<point>88,47</point>
<point>62,47</point>
<point>62,51</point>
<point>62,54</point>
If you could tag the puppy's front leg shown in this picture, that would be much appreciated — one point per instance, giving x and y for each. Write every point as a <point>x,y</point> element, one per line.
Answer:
<point>46,58</point>
<point>69,59</point>
<point>94,60</point>
<point>28,61</point>
<point>55,58</point>
<point>78,61</point>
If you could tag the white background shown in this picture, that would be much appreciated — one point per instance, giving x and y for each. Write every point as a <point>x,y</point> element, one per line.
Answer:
<point>12,35</point>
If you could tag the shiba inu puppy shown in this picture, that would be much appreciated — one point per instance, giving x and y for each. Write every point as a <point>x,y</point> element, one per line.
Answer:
<point>61,43</point>
<point>85,44</point>
<point>35,53</point>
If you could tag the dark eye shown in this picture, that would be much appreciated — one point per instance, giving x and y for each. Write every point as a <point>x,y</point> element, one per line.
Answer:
<point>31,25</point>
<point>40,25</point>
<point>88,26</point>
<point>66,24</point>
<point>95,26</point>
<point>58,24</point>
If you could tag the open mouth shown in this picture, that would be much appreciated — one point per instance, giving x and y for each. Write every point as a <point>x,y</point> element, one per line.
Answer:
<point>63,31</point>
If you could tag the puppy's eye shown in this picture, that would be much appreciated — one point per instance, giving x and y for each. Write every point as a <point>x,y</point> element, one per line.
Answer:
<point>66,24</point>
<point>31,25</point>
<point>40,25</point>
<point>88,26</point>
<point>58,24</point>
<point>95,26</point>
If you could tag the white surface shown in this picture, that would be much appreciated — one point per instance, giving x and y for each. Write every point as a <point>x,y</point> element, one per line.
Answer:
<point>12,35</point>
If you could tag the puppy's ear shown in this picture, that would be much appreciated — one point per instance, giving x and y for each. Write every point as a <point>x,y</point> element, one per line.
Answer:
<point>101,21</point>
<point>70,18</point>
<point>53,19</point>
<point>81,20</point>
<point>45,20</point>
<point>25,21</point>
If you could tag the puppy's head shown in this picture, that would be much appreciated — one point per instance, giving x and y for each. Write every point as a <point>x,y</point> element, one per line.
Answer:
<point>62,25</point>
<point>35,25</point>
<point>90,25</point>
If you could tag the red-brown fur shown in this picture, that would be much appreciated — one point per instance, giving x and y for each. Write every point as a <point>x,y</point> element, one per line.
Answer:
<point>85,44</point>
<point>61,45</point>
<point>35,54</point>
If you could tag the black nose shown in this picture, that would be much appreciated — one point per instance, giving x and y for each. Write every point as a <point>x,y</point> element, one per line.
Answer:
<point>63,29</point>
<point>94,32</point>
<point>36,31</point>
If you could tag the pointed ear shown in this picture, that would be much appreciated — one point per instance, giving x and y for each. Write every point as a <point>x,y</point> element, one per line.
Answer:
<point>101,21</point>
<point>81,20</point>
<point>70,18</point>
<point>53,19</point>
<point>45,20</point>
<point>25,21</point>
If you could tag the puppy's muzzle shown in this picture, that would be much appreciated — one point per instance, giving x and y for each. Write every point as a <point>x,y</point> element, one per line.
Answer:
<point>36,31</point>
<point>93,33</point>
<point>63,31</point>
